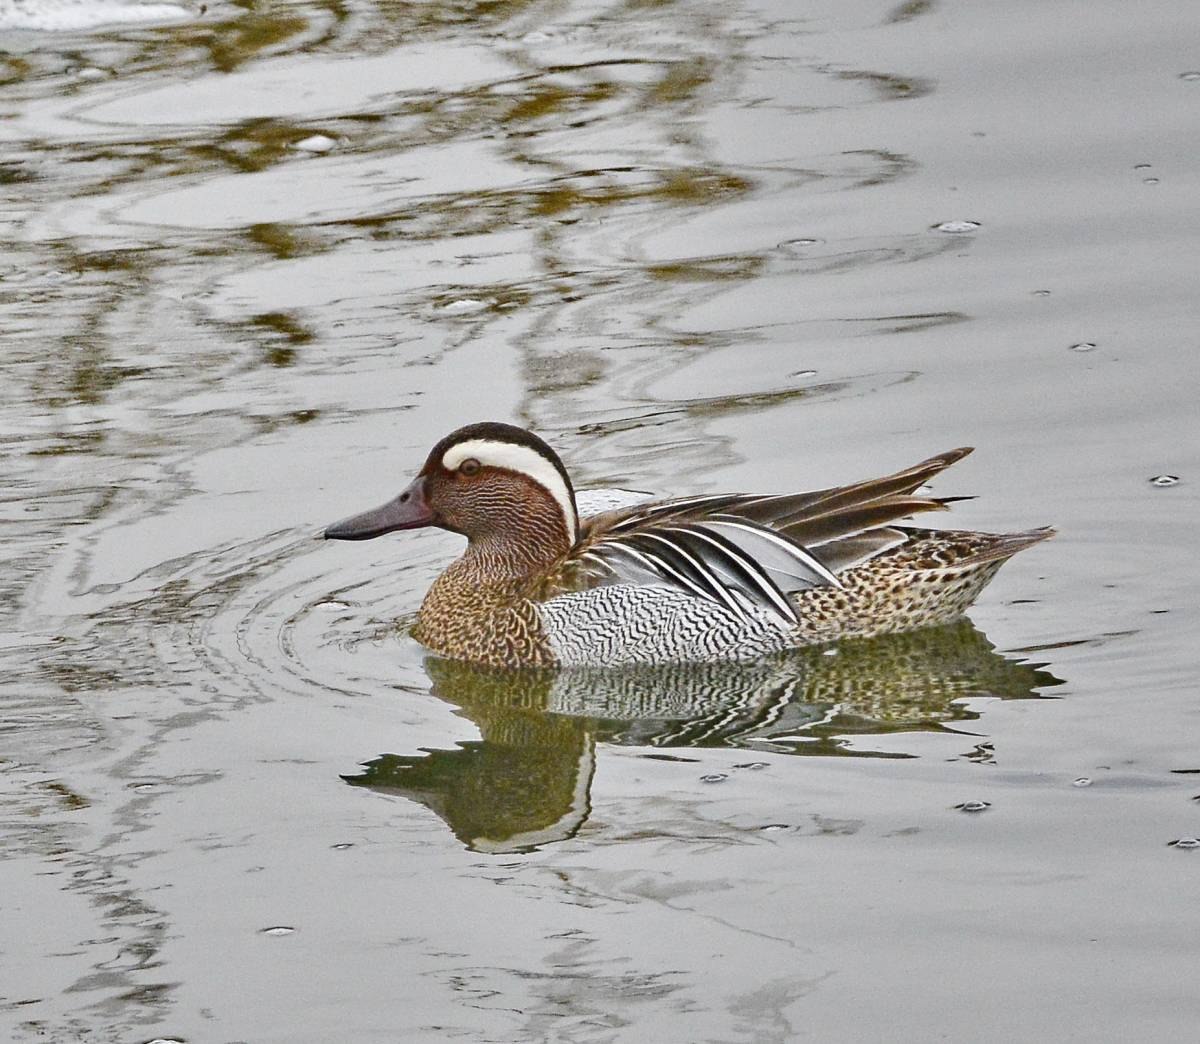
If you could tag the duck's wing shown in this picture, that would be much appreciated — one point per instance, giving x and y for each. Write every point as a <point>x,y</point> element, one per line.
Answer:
<point>847,525</point>
<point>751,552</point>
<point>792,510</point>
<point>698,557</point>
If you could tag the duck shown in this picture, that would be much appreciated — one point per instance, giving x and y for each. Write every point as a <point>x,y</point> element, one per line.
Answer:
<point>723,577</point>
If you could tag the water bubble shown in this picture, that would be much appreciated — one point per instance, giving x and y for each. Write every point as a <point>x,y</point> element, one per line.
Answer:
<point>91,73</point>
<point>771,827</point>
<point>1041,293</point>
<point>536,37</point>
<point>714,777</point>
<point>974,806</point>
<point>753,766</point>
<point>1149,181</point>
<point>141,788</point>
<point>1082,781</point>
<point>957,227</point>
<point>805,373</point>
<point>341,846</point>
<point>316,143</point>
<point>1190,76</point>
<point>333,604</point>
<point>279,929</point>
<point>1084,346</point>
<point>167,1040</point>
<point>1141,166</point>
<point>801,242</point>
<point>465,306</point>
<point>1185,842</point>
<point>1165,480</point>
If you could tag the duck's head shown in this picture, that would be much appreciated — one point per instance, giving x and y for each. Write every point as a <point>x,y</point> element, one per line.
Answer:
<point>490,482</point>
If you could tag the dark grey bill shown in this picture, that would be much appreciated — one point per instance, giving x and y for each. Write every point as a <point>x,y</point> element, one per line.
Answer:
<point>409,510</point>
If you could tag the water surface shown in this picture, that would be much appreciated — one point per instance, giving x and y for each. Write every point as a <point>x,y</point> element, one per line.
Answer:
<point>257,259</point>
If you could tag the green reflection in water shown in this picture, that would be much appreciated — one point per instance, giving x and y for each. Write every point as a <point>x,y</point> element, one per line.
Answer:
<point>14,174</point>
<point>526,781</point>
<point>544,102</point>
<point>281,241</point>
<point>14,70</point>
<point>909,10</point>
<point>257,144</point>
<point>251,35</point>
<point>682,81</point>
<point>284,333</point>
<point>565,198</point>
<point>888,86</point>
<point>707,269</point>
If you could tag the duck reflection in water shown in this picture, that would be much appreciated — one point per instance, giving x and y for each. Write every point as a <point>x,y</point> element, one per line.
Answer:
<point>526,781</point>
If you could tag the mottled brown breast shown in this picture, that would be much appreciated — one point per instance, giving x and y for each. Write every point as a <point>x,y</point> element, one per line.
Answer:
<point>492,623</point>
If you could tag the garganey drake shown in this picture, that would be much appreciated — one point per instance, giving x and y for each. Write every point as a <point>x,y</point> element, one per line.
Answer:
<point>708,578</point>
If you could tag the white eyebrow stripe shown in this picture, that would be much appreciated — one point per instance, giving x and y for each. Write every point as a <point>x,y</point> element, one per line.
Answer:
<point>525,461</point>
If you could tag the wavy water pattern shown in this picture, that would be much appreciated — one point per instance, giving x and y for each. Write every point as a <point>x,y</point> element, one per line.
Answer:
<point>258,256</point>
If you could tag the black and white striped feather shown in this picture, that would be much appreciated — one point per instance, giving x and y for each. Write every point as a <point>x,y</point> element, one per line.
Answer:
<point>749,554</point>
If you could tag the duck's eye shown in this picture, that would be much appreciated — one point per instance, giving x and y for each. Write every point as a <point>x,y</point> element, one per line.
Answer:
<point>468,466</point>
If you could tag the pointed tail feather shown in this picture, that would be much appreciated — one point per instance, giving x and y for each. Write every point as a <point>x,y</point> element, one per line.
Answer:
<point>1008,544</point>
<point>788,509</point>
<point>815,530</point>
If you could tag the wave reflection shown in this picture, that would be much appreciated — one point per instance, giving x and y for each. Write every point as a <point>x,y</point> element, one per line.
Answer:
<point>526,781</point>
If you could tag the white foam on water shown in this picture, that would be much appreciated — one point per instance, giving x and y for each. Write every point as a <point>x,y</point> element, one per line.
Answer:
<point>66,15</point>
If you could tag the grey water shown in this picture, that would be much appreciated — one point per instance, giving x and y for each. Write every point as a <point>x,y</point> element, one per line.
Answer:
<point>256,257</point>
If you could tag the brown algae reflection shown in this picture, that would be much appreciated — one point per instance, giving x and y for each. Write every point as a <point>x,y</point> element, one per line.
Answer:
<point>526,782</point>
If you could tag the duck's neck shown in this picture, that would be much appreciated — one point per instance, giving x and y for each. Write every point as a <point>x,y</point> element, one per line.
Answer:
<point>515,557</point>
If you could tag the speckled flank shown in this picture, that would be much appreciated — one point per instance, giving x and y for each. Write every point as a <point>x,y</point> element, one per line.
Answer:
<point>893,593</point>
<point>931,579</point>
<point>624,624</point>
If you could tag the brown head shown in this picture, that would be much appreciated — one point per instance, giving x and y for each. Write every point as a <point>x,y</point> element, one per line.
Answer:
<point>500,486</point>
